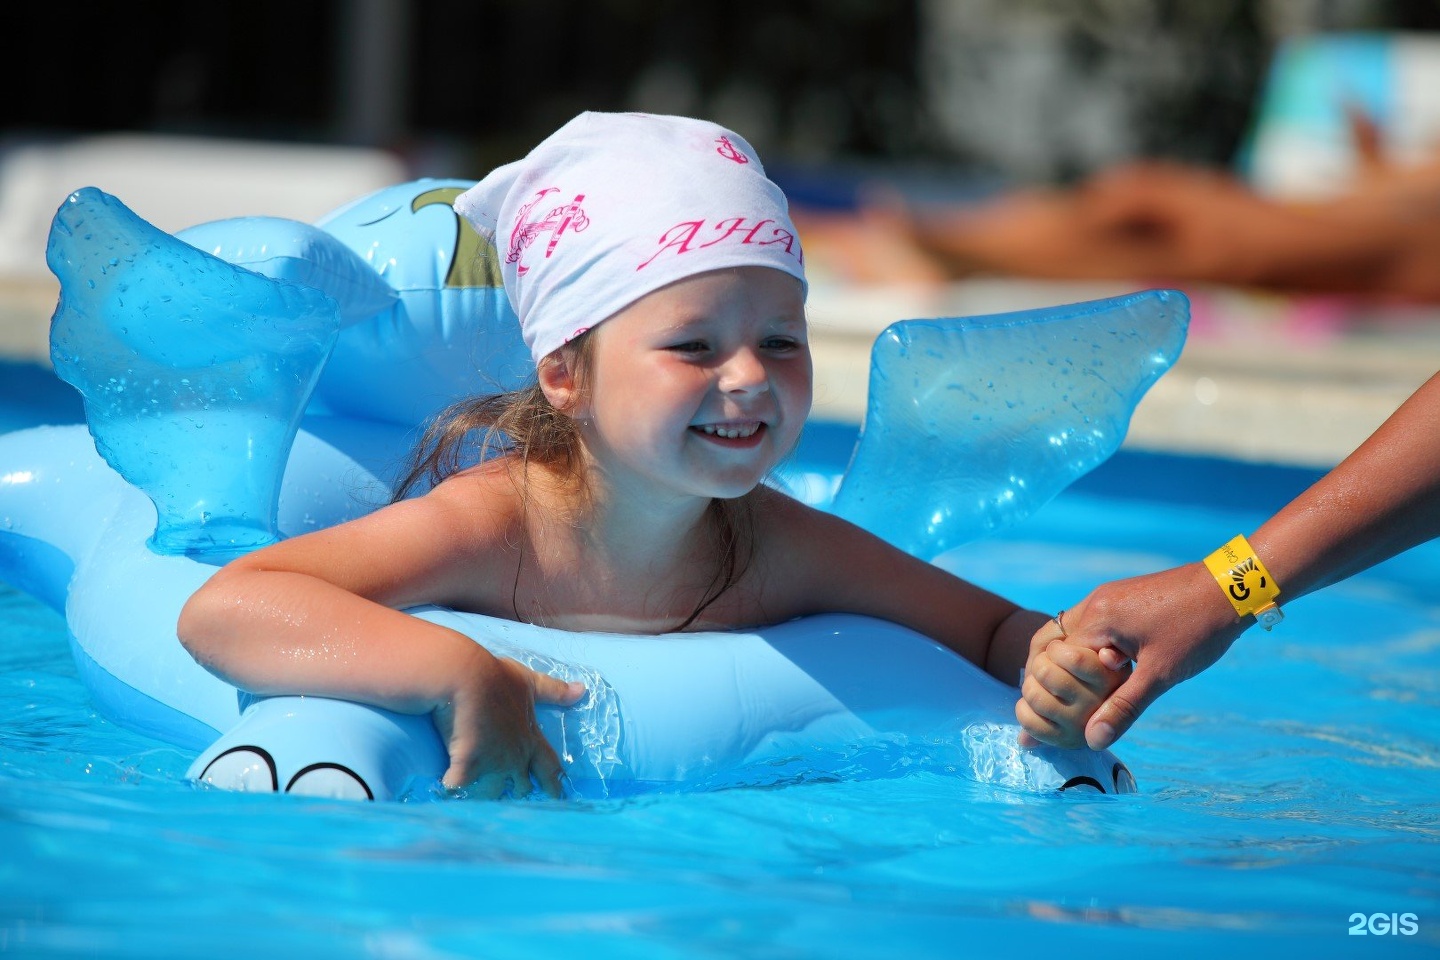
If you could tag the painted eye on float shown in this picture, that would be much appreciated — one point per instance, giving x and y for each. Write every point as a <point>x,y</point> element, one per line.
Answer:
<point>1082,783</point>
<point>332,781</point>
<point>245,769</point>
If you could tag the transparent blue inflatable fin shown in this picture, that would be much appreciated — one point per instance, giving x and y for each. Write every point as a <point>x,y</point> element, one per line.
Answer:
<point>290,250</point>
<point>188,366</point>
<point>975,422</point>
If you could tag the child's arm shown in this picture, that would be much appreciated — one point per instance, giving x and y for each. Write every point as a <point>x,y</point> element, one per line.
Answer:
<point>1065,683</point>
<point>816,562</point>
<point>317,615</point>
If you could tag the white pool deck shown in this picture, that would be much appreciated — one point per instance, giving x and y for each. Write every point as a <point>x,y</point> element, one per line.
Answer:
<point>1262,378</point>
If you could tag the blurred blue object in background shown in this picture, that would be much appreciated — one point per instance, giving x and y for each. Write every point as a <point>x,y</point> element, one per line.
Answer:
<point>1302,144</point>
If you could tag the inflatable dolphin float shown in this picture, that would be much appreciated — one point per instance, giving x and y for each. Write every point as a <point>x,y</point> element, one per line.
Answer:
<point>257,378</point>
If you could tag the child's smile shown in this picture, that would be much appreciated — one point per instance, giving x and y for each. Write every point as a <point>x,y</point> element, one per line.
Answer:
<point>742,435</point>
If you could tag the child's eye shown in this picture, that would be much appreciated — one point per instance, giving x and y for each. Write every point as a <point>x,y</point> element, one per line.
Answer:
<point>780,344</point>
<point>689,346</point>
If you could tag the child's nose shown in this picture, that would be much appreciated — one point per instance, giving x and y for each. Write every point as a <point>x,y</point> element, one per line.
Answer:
<point>743,372</point>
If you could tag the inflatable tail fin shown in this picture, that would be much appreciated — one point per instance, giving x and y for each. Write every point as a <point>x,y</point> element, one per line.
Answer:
<point>973,423</point>
<point>188,365</point>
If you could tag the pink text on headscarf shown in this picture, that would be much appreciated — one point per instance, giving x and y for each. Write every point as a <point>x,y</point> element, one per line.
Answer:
<point>681,237</point>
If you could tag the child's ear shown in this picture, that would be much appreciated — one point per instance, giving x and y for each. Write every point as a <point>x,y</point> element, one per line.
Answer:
<point>559,384</point>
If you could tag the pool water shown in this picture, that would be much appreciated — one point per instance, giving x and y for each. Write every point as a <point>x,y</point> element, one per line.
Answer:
<point>1288,789</point>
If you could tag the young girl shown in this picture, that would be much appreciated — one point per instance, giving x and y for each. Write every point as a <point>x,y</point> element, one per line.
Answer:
<point>659,284</point>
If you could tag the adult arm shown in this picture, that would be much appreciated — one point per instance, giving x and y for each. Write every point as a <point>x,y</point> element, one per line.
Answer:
<point>1381,500</point>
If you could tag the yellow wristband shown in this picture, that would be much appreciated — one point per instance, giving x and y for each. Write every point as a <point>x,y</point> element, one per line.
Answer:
<point>1245,582</point>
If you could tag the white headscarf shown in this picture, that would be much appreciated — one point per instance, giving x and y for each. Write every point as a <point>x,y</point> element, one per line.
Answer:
<point>615,205</point>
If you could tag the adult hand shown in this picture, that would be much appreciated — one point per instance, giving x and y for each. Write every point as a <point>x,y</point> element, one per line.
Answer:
<point>1381,500</point>
<point>1173,624</point>
<point>1064,685</point>
<point>489,727</point>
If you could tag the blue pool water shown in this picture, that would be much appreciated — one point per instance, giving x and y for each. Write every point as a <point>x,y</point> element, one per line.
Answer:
<point>1287,789</point>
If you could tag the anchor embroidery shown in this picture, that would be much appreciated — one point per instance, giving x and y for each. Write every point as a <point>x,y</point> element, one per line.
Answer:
<point>729,151</point>
<point>556,221</point>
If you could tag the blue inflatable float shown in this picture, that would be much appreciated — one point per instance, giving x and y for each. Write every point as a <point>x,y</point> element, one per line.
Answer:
<point>257,378</point>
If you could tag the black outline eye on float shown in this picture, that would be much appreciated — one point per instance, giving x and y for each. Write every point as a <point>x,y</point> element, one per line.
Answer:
<point>1120,775</point>
<point>332,768</point>
<point>259,753</point>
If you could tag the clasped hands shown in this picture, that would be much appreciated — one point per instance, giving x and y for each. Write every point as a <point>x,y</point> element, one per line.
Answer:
<point>1080,688</point>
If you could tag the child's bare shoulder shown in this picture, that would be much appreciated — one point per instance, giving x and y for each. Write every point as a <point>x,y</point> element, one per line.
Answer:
<point>791,531</point>
<point>482,502</point>
<point>451,544</point>
<point>465,519</point>
<point>771,504</point>
<point>493,480</point>
<point>806,560</point>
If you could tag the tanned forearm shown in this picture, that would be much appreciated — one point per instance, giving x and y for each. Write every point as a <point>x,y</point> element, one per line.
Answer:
<point>1382,499</point>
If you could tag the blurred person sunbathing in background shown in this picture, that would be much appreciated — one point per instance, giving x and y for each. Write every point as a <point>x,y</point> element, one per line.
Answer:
<point>1164,222</point>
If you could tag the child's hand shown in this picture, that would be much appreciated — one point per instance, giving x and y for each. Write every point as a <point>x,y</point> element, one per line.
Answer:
<point>488,725</point>
<point>1065,683</point>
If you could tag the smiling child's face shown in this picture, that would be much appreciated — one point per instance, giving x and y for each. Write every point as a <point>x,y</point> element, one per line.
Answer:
<point>701,387</point>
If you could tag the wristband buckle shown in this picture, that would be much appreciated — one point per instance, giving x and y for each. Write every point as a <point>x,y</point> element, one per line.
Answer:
<point>1269,615</point>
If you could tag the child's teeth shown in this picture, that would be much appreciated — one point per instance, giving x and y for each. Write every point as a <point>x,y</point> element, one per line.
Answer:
<point>729,433</point>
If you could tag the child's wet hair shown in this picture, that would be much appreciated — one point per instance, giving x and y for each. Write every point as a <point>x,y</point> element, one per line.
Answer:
<point>522,423</point>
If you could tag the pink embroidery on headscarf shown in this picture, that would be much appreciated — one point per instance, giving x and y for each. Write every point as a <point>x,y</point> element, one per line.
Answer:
<point>729,151</point>
<point>682,236</point>
<point>567,215</point>
<point>578,332</point>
